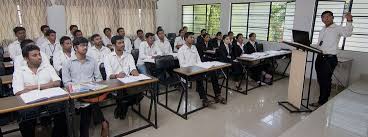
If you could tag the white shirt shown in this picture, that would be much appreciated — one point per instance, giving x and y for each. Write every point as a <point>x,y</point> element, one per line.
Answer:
<point>188,56</point>
<point>19,60</point>
<point>178,41</point>
<point>106,40</point>
<point>137,43</point>
<point>23,77</point>
<point>98,54</point>
<point>41,40</point>
<point>147,52</point>
<point>254,45</point>
<point>128,45</point>
<point>156,38</point>
<point>165,47</point>
<point>331,37</point>
<point>241,46</point>
<point>50,49</point>
<point>14,49</point>
<point>60,58</point>
<point>114,64</point>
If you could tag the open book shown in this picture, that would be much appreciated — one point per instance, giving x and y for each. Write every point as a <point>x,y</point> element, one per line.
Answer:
<point>209,64</point>
<point>40,95</point>
<point>130,79</point>
<point>84,87</point>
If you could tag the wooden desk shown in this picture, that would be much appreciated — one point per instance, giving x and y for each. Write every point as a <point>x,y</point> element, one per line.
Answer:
<point>8,64</point>
<point>194,70</point>
<point>114,85</point>
<point>15,103</point>
<point>7,79</point>
<point>191,73</point>
<point>248,63</point>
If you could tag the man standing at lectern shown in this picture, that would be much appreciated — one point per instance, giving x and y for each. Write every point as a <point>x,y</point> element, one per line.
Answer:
<point>328,42</point>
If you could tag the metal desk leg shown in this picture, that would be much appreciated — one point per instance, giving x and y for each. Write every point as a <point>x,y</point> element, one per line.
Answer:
<point>227,84</point>
<point>69,112</point>
<point>186,99</point>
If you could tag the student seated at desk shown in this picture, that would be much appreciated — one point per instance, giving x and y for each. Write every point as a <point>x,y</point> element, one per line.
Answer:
<point>261,73</point>
<point>179,40</point>
<point>188,56</point>
<point>98,51</point>
<point>14,47</point>
<point>37,76</point>
<point>163,44</point>
<point>81,68</point>
<point>120,64</point>
<point>147,50</point>
<point>226,54</point>
<point>20,61</point>
<point>139,39</point>
<point>203,46</point>
<point>63,55</point>
<point>216,42</point>
<point>51,46</point>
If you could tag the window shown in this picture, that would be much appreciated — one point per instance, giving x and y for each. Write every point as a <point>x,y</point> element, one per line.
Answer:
<point>239,18</point>
<point>204,16</point>
<point>289,21</point>
<point>272,21</point>
<point>359,40</point>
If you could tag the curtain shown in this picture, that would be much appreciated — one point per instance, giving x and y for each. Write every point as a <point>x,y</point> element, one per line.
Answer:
<point>34,15</point>
<point>92,16</point>
<point>8,13</point>
<point>148,15</point>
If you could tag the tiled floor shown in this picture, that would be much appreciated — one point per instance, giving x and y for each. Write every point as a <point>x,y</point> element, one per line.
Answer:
<point>254,115</point>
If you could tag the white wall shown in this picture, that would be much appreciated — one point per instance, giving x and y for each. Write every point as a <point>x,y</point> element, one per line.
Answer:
<point>167,15</point>
<point>56,19</point>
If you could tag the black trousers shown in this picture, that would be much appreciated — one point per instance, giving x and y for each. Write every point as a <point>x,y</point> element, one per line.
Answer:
<point>200,88</point>
<point>94,112</point>
<point>256,71</point>
<point>27,128</point>
<point>325,66</point>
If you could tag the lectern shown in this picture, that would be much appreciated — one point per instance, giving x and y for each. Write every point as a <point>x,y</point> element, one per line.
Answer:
<point>298,68</point>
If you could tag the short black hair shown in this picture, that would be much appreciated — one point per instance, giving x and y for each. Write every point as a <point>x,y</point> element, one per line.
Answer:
<point>230,32</point>
<point>185,27</point>
<point>203,30</point>
<point>219,33</point>
<point>181,30</point>
<point>205,34</point>
<point>43,27</point>
<point>72,26</point>
<point>239,34</point>
<point>224,37</point>
<point>159,31</point>
<point>119,29</point>
<point>159,27</point>
<point>63,39</point>
<point>17,29</point>
<point>94,36</point>
<point>106,29</point>
<point>25,43</point>
<point>29,48</point>
<point>75,32</point>
<point>188,34</point>
<point>79,40</point>
<point>139,31</point>
<point>116,38</point>
<point>149,34</point>
<point>252,34</point>
<point>50,31</point>
<point>327,12</point>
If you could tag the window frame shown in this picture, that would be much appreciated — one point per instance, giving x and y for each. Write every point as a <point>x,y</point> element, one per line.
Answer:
<point>206,14</point>
<point>269,18</point>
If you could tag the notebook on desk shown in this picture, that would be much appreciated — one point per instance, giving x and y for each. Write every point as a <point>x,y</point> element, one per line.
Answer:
<point>131,79</point>
<point>40,95</point>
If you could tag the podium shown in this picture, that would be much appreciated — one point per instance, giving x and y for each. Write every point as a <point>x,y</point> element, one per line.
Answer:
<point>299,61</point>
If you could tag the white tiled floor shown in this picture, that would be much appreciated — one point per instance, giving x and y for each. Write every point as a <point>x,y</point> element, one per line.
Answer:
<point>254,115</point>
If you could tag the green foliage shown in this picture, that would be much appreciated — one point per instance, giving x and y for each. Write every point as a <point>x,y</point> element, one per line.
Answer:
<point>277,20</point>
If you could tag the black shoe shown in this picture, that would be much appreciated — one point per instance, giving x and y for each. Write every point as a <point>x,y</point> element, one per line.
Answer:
<point>206,102</point>
<point>219,99</point>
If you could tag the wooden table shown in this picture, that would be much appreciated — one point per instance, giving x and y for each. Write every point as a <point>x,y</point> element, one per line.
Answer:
<point>248,63</point>
<point>115,85</point>
<point>15,103</point>
<point>6,79</point>
<point>189,74</point>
